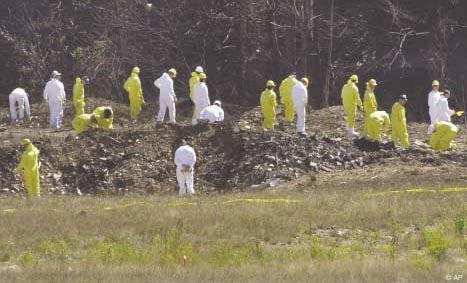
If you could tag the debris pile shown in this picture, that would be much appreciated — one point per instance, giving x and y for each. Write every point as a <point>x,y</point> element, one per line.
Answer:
<point>237,156</point>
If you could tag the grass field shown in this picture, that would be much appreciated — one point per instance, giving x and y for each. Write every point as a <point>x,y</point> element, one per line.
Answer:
<point>303,232</point>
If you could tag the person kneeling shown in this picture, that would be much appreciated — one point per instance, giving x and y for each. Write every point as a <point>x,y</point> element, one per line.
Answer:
<point>212,114</point>
<point>82,123</point>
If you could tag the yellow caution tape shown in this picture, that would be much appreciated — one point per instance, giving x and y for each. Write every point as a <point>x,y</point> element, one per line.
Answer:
<point>125,206</point>
<point>418,190</point>
<point>253,200</point>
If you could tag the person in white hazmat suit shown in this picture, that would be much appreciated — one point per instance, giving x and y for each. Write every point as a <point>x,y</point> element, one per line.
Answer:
<point>212,114</point>
<point>167,97</point>
<point>442,110</point>
<point>201,96</point>
<point>300,101</point>
<point>19,97</point>
<point>185,159</point>
<point>433,98</point>
<point>54,94</point>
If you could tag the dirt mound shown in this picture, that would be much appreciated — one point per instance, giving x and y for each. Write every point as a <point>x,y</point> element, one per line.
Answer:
<point>236,156</point>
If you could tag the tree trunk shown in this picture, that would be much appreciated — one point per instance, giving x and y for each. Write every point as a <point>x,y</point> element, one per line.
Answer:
<point>327,84</point>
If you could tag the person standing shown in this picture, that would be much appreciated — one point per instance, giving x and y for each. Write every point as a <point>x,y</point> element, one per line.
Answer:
<point>442,111</point>
<point>194,80</point>
<point>268,106</point>
<point>167,97</point>
<point>30,165</point>
<point>54,94</point>
<point>351,99</point>
<point>201,96</point>
<point>300,101</point>
<point>399,135</point>
<point>370,104</point>
<point>285,91</point>
<point>135,94</point>
<point>19,97</point>
<point>185,160</point>
<point>78,96</point>
<point>433,98</point>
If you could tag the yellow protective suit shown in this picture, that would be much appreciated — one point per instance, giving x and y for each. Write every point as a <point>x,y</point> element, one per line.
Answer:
<point>82,123</point>
<point>78,97</point>
<point>378,122</point>
<point>285,91</point>
<point>445,133</point>
<point>268,106</point>
<point>399,135</point>
<point>30,164</point>
<point>194,80</point>
<point>135,92</point>
<point>370,105</point>
<point>103,123</point>
<point>351,99</point>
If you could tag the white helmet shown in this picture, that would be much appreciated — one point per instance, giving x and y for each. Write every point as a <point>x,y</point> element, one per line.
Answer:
<point>218,103</point>
<point>199,69</point>
<point>56,74</point>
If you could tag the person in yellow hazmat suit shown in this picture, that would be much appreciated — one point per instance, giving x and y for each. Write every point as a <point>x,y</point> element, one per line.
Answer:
<point>78,96</point>
<point>135,92</point>
<point>268,105</point>
<point>285,90</point>
<point>83,122</point>
<point>30,165</point>
<point>351,99</point>
<point>445,133</point>
<point>105,117</point>
<point>370,104</point>
<point>378,123</point>
<point>399,135</point>
<point>194,80</point>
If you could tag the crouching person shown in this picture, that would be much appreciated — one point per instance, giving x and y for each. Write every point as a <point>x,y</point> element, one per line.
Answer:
<point>185,159</point>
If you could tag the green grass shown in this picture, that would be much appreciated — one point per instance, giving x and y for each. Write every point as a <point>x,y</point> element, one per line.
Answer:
<point>333,237</point>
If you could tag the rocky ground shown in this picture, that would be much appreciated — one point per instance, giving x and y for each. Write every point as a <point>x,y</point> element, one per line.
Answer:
<point>238,156</point>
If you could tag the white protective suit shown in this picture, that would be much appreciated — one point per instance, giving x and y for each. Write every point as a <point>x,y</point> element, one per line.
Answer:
<point>167,97</point>
<point>212,114</point>
<point>185,155</point>
<point>54,94</point>
<point>20,97</point>
<point>300,101</point>
<point>442,111</point>
<point>433,98</point>
<point>201,98</point>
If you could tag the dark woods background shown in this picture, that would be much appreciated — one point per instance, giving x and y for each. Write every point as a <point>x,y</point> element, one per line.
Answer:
<point>404,45</point>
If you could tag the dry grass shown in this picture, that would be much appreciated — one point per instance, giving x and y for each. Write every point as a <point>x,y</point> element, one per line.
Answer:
<point>331,235</point>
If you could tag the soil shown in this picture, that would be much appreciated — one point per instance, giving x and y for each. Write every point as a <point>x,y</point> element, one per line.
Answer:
<point>237,156</point>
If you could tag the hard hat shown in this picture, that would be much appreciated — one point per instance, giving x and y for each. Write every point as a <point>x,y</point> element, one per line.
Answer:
<point>135,70</point>
<point>55,74</point>
<point>354,78</point>
<point>199,69</point>
<point>435,83</point>
<point>173,72</point>
<point>305,81</point>
<point>404,97</point>
<point>372,82</point>
<point>270,83</point>
<point>203,76</point>
<point>26,142</point>
<point>218,103</point>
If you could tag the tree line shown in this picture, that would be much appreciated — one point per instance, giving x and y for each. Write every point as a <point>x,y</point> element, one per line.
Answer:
<point>404,45</point>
